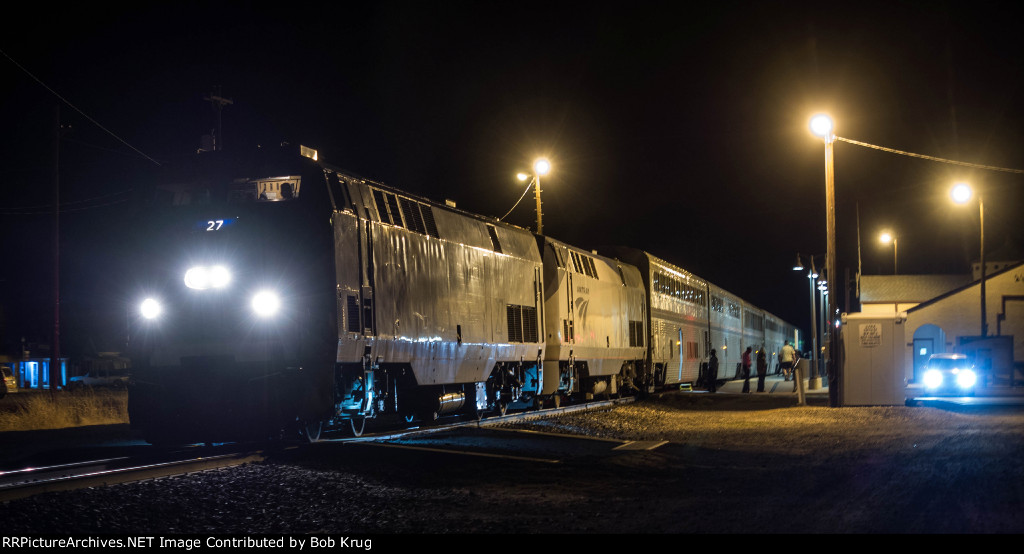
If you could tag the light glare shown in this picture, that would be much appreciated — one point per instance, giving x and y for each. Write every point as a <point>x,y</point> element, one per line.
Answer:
<point>542,166</point>
<point>266,303</point>
<point>821,125</point>
<point>202,278</point>
<point>150,308</point>
<point>219,277</point>
<point>197,278</point>
<point>966,379</point>
<point>961,193</point>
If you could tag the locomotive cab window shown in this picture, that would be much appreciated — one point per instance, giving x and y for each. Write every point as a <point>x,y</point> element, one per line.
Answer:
<point>277,190</point>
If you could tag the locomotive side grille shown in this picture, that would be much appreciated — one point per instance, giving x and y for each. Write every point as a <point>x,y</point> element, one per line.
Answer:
<point>515,323</point>
<point>412,216</point>
<point>352,315</point>
<point>382,206</point>
<point>522,323</point>
<point>495,245</point>
<point>428,220</point>
<point>530,328</point>
<point>393,205</point>
<point>636,333</point>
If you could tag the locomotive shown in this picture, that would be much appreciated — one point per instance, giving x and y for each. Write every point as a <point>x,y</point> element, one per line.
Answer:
<point>279,294</point>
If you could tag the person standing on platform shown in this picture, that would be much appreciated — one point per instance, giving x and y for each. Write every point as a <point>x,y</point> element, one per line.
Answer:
<point>746,368</point>
<point>786,358</point>
<point>762,368</point>
<point>713,372</point>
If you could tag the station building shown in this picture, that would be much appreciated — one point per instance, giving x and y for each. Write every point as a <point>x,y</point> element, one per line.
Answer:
<point>943,314</point>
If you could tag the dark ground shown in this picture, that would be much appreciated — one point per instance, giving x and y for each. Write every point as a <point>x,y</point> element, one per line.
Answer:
<point>753,464</point>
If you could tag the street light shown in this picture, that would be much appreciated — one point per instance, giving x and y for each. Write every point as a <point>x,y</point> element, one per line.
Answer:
<point>541,166</point>
<point>822,126</point>
<point>812,382</point>
<point>822,293</point>
<point>885,238</point>
<point>961,194</point>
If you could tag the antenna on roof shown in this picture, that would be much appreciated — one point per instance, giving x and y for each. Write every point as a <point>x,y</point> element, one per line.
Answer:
<point>218,102</point>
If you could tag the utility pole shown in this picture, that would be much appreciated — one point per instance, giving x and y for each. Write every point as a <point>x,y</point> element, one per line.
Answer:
<point>55,175</point>
<point>218,102</point>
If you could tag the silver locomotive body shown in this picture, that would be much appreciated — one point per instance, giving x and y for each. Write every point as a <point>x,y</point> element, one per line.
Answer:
<point>595,314</point>
<point>440,310</point>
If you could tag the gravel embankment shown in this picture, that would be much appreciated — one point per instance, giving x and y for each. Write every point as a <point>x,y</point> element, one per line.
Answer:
<point>859,470</point>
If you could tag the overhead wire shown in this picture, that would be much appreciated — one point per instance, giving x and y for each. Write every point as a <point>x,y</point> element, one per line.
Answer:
<point>530,184</point>
<point>926,157</point>
<point>73,107</point>
<point>66,207</point>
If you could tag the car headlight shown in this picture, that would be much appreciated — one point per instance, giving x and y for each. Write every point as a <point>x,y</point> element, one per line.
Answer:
<point>266,303</point>
<point>965,379</point>
<point>933,378</point>
<point>150,308</point>
<point>206,277</point>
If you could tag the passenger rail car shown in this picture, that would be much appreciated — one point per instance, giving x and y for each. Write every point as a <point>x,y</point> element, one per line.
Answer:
<point>688,316</point>
<point>279,294</point>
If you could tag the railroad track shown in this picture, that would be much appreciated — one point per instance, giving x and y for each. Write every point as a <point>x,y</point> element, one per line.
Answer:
<point>25,482</point>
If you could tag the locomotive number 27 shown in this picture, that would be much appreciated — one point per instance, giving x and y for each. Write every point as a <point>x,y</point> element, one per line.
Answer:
<point>214,225</point>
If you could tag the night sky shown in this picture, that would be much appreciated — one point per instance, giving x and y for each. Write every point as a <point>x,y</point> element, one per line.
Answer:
<point>678,128</point>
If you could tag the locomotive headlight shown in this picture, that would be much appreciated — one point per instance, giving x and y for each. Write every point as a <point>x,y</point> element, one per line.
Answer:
<point>933,378</point>
<point>966,378</point>
<point>150,308</point>
<point>202,277</point>
<point>266,303</point>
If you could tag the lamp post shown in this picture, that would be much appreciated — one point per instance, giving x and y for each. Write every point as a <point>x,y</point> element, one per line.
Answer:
<point>885,238</point>
<point>813,380</point>
<point>821,125</point>
<point>541,166</point>
<point>822,293</point>
<point>961,194</point>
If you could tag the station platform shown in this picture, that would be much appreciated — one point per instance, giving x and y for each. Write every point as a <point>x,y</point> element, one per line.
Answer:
<point>773,384</point>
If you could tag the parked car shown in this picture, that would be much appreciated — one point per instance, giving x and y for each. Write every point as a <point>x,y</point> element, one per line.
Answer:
<point>9,383</point>
<point>102,377</point>
<point>949,374</point>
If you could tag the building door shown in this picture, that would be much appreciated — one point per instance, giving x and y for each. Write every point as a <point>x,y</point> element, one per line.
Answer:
<point>923,348</point>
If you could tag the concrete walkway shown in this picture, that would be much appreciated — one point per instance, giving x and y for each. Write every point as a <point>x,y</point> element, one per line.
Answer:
<point>773,384</point>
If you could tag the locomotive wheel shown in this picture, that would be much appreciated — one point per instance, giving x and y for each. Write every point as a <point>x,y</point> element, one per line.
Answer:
<point>312,430</point>
<point>358,426</point>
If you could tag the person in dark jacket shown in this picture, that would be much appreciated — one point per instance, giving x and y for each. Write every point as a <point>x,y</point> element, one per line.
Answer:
<point>713,372</point>
<point>762,368</point>
<point>746,368</point>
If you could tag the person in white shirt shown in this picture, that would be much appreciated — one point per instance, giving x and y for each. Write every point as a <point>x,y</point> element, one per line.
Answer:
<point>786,359</point>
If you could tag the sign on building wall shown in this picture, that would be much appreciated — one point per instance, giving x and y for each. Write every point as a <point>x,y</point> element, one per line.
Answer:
<point>870,335</point>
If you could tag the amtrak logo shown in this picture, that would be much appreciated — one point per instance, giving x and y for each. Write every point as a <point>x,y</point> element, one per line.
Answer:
<point>581,311</point>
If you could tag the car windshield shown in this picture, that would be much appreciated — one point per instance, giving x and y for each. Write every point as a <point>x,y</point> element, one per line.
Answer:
<point>947,363</point>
